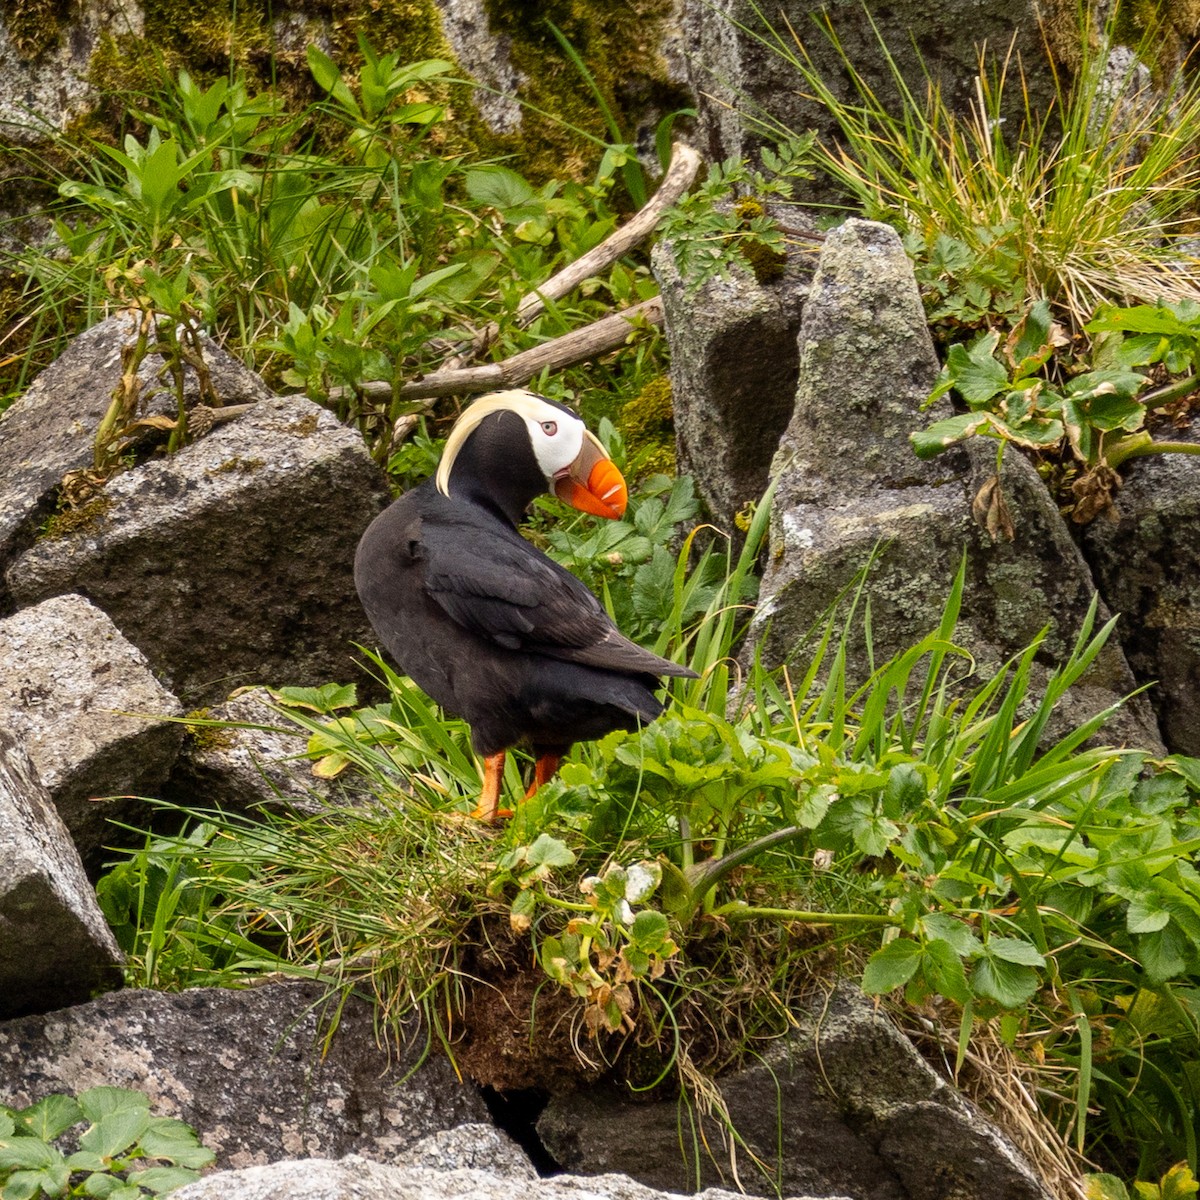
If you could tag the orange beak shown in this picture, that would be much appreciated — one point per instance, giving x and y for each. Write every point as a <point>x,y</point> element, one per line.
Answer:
<point>592,482</point>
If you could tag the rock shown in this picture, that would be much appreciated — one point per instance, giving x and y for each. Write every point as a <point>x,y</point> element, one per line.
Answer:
<point>231,561</point>
<point>50,429</point>
<point>733,375</point>
<point>851,488</point>
<point>45,50</point>
<point>474,1147</point>
<point>744,84</point>
<point>1146,558</point>
<point>94,719</point>
<point>356,1178</point>
<point>845,1105</point>
<point>246,1069</point>
<point>486,58</point>
<point>55,948</point>
<point>259,763</point>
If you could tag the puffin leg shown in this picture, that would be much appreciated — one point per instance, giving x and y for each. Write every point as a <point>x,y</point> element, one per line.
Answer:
<point>543,771</point>
<point>488,808</point>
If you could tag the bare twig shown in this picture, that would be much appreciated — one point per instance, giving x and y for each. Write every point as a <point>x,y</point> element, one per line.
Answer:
<point>577,346</point>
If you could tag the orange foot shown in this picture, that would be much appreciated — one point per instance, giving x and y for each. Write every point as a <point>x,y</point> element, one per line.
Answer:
<point>488,808</point>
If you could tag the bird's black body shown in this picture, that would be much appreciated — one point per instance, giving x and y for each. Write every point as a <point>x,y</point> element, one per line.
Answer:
<point>486,624</point>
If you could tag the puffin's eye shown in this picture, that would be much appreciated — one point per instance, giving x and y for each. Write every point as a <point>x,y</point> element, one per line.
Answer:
<point>549,428</point>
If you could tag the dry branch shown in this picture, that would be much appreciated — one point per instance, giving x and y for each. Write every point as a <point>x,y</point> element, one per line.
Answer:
<point>577,346</point>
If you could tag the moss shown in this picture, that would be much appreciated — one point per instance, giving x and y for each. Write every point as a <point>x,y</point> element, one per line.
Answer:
<point>35,25</point>
<point>204,736</point>
<point>618,42</point>
<point>237,463</point>
<point>767,263</point>
<point>305,427</point>
<point>648,425</point>
<point>77,520</point>
<point>1162,31</point>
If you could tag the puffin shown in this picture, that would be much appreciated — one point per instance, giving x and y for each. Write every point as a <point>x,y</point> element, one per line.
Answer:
<point>482,621</point>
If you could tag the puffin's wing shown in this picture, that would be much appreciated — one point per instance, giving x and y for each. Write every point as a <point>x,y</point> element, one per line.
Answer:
<point>509,592</point>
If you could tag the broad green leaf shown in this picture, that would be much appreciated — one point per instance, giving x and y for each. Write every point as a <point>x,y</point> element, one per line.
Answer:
<point>21,1185</point>
<point>1014,950</point>
<point>27,1154</point>
<point>50,1116</point>
<point>978,375</point>
<point>114,1134</point>
<point>1008,984</point>
<point>951,930</point>
<point>943,969</point>
<point>321,699</point>
<point>905,790</point>
<point>329,79</point>
<point>549,852</point>
<point>99,1102</point>
<point>163,1179</point>
<point>892,966</point>
<point>939,436</point>
<point>176,1142</point>
<point>498,187</point>
<point>1104,1187</point>
<point>1146,914</point>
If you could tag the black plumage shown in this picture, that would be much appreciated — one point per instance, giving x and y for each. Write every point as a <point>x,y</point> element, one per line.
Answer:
<point>482,621</point>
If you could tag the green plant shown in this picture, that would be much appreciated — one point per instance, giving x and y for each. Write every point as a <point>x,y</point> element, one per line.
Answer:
<point>725,218</point>
<point>118,1154</point>
<point>341,243</point>
<point>1017,391</point>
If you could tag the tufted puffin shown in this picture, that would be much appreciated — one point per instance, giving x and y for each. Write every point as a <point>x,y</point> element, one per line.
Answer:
<point>485,623</point>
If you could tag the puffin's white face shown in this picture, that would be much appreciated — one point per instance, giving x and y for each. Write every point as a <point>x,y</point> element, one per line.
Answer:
<point>556,437</point>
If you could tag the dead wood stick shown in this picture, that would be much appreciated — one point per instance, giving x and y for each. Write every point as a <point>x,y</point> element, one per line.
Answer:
<point>577,346</point>
<point>685,162</point>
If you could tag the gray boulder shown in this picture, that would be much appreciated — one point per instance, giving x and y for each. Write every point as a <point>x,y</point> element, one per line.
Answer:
<point>1146,559</point>
<point>45,51</point>
<point>357,1178</point>
<point>851,489</point>
<point>55,948</point>
<point>231,561</point>
<point>49,430</point>
<point>94,719</point>
<point>246,1069</point>
<point>844,1105</point>
<point>733,375</point>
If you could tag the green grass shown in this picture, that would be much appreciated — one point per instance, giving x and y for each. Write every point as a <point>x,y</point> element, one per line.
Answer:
<point>1087,203</point>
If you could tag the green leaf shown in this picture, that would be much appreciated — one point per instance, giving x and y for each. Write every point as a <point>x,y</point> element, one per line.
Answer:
<point>1014,950</point>
<point>549,852</point>
<point>163,1179</point>
<point>939,436</point>
<point>943,970</point>
<point>498,187</point>
<point>329,79</point>
<point>50,1116</point>
<point>176,1142</point>
<point>100,1102</point>
<point>115,1133</point>
<point>1008,984</point>
<point>1146,914</point>
<point>977,374</point>
<point>27,1153</point>
<point>323,699</point>
<point>1104,1187</point>
<point>21,1185</point>
<point>892,966</point>
<point>905,790</point>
